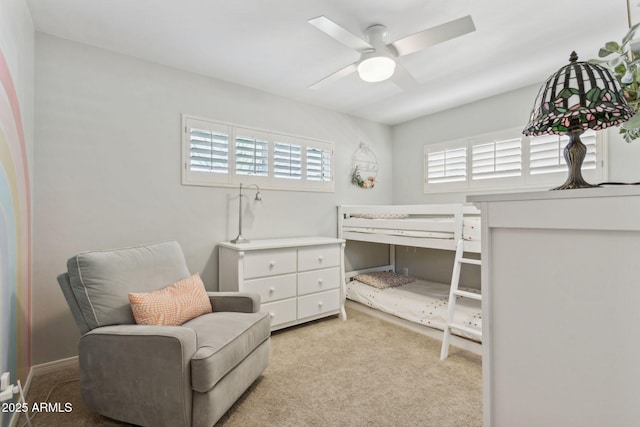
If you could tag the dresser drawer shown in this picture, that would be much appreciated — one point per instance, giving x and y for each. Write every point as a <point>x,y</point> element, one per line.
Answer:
<point>318,280</point>
<point>273,288</point>
<point>269,263</point>
<point>314,257</point>
<point>322,302</point>
<point>280,311</point>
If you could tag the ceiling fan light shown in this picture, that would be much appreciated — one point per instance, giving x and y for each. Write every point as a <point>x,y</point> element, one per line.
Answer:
<point>376,69</point>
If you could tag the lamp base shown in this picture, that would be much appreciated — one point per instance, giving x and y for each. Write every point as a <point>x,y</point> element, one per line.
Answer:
<point>240,239</point>
<point>570,184</point>
<point>574,154</point>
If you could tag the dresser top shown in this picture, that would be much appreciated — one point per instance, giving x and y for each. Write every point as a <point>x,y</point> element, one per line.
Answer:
<point>281,243</point>
<point>609,191</point>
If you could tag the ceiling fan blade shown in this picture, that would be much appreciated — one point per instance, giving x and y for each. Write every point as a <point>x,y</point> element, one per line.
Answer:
<point>334,30</point>
<point>434,35</point>
<point>335,76</point>
<point>403,79</point>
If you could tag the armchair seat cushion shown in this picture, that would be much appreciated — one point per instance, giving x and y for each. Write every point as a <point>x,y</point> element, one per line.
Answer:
<point>219,350</point>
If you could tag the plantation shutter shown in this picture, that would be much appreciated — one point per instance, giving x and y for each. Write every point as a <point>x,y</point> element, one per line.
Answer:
<point>499,159</point>
<point>206,152</point>
<point>209,151</point>
<point>506,160</point>
<point>546,153</point>
<point>287,160</point>
<point>252,154</point>
<point>318,167</point>
<point>222,154</point>
<point>446,165</point>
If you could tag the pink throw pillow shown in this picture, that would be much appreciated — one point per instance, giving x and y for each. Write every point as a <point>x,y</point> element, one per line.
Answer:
<point>173,305</point>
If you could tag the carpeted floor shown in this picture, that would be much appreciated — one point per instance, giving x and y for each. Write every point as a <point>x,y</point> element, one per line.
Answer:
<point>364,371</point>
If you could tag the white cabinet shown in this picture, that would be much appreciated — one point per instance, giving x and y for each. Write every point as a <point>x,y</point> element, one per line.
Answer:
<point>561,316</point>
<point>298,279</point>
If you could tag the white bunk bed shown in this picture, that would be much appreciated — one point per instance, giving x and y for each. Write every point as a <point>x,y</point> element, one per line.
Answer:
<point>419,304</point>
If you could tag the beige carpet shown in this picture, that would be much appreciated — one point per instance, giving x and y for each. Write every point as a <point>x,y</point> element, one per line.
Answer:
<point>364,371</point>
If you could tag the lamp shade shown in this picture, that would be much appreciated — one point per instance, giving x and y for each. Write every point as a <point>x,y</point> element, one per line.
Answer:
<point>579,95</point>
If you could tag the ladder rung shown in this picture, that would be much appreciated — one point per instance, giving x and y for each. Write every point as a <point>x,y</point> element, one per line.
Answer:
<point>466,294</point>
<point>471,261</point>
<point>466,329</point>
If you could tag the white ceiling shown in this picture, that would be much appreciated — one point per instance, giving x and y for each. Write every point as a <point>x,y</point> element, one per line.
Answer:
<point>269,45</point>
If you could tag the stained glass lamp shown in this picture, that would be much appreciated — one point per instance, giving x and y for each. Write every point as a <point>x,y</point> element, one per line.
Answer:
<point>577,97</point>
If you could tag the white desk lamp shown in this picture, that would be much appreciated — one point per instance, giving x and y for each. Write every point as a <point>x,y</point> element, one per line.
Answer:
<point>258,197</point>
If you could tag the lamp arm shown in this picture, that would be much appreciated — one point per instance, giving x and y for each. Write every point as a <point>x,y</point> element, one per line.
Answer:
<point>241,239</point>
<point>249,186</point>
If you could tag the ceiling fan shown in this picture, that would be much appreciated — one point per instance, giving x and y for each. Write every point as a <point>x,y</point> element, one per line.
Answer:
<point>377,57</point>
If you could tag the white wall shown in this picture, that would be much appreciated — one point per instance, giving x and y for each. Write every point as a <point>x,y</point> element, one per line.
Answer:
<point>624,158</point>
<point>107,169</point>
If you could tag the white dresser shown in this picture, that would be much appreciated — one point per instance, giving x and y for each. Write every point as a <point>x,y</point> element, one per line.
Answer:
<point>298,279</point>
<point>561,308</point>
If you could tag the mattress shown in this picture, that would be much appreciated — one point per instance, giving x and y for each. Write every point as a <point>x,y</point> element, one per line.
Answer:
<point>421,302</point>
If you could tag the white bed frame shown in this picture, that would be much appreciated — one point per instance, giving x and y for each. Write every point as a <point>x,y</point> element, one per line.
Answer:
<point>437,226</point>
<point>437,219</point>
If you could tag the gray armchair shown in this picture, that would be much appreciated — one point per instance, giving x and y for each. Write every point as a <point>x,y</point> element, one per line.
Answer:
<point>186,375</point>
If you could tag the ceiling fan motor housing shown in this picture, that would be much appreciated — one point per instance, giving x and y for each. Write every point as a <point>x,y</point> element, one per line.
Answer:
<point>376,35</point>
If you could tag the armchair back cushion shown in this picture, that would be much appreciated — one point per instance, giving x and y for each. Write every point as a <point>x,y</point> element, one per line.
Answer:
<point>102,280</point>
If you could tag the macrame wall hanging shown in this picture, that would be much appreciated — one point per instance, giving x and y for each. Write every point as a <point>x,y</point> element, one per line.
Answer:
<point>364,167</point>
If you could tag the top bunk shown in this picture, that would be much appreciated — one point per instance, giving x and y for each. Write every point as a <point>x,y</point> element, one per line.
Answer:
<point>438,226</point>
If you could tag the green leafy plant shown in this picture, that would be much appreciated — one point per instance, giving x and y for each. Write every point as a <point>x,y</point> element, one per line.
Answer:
<point>623,63</point>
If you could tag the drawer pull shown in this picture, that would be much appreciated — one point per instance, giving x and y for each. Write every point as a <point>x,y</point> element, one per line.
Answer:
<point>272,314</point>
<point>272,290</point>
<point>272,264</point>
<point>320,304</point>
<point>320,258</point>
<point>320,281</point>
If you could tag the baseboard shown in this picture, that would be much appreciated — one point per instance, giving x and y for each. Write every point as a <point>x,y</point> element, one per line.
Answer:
<point>41,369</point>
<point>56,365</point>
<point>456,341</point>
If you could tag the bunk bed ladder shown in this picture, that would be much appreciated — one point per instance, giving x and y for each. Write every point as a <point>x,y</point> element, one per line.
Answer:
<point>453,294</point>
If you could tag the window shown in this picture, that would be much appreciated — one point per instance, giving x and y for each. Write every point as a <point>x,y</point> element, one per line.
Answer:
<point>287,160</point>
<point>447,165</point>
<point>499,159</point>
<point>507,160</point>
<point>208,152</point>
<point>252,153</point>
<point>318,166</point>
<point>223,155</point>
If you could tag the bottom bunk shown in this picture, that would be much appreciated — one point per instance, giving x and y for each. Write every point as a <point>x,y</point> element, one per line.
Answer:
<point>418,302</point>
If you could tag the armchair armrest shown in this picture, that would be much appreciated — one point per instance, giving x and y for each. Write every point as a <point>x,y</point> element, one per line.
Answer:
<point>138,373</point>
<point>243,302</point>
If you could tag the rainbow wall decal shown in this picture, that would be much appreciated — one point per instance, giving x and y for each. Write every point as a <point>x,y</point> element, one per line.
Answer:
<point>15,235</point>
